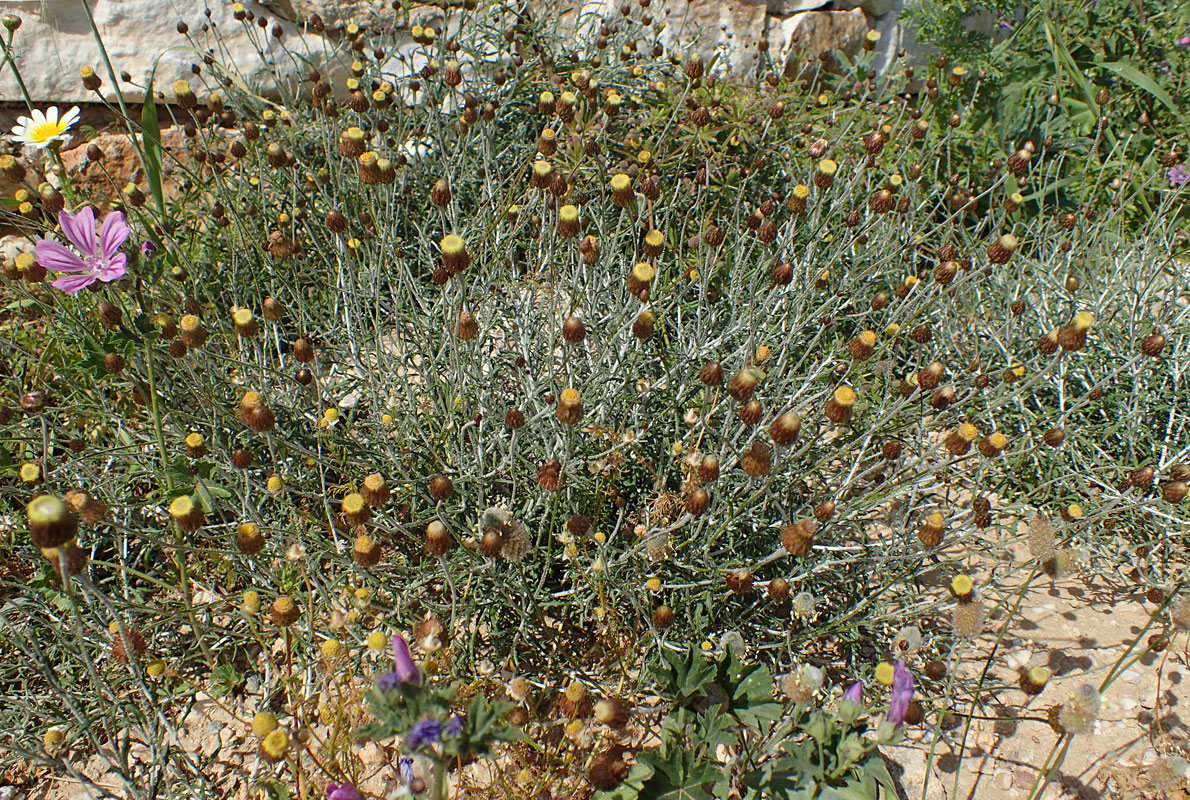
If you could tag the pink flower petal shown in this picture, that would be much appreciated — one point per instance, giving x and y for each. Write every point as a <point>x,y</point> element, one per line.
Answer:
<point>56,257</point>
<point>71,284</point>
<point>115,269</point>
<point>115,232</point>
<point>79,229</point>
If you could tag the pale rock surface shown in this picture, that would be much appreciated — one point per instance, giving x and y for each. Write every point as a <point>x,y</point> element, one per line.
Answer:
<point>55,41</point>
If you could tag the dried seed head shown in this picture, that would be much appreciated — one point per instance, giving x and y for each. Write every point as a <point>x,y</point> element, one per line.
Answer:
<point>929,376</point>
<point>798,538</point>
<point>1152,345</point>
<point>467,327</point>
<point>757,460</point>
<point>663,617</point>
<point>88,508</point>
<point>698,501</point>
<point>549,475</point>
<point>739,581</point>
<point>968,618</point>
<point>51,522</point>
<point>610,767</point>
<point>751,412</point>
<point>1033,680</point>
<point>284,612</point>
<point>573,330</point>
<point>355,510</point>
<point>613,712</point>
<point>374,490</point>
<point>643,325</point>
<point>187,514</point>
<point>249,539</point>
<point>929,532</point>
<point>570,407</point>
<point>708,469</point>
<point>438,538</point>
<point>785,429</point>
<point>711,373</point>
<point>743,384</point>
<point>840,406</point>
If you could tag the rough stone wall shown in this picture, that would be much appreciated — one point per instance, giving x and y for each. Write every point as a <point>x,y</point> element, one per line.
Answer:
<point>55,40</point>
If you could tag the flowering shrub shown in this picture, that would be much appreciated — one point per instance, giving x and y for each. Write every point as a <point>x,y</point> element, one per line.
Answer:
<point>559,357</point>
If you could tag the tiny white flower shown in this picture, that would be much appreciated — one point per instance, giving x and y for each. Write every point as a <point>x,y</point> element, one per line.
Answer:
<point>43,128</point>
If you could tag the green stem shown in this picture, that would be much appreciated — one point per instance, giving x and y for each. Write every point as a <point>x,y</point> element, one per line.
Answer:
<point>16,73</point>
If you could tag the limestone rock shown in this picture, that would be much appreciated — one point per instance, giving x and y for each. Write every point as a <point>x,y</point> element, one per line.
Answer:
<point>120,165</point>
<point>335,13</point>
<point>55,41</point>
<point>814,32</point>
<point>731,26</point>
<point>873,8</point>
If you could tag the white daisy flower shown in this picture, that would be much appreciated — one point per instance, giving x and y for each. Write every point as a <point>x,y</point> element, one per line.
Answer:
<point>43,128</point>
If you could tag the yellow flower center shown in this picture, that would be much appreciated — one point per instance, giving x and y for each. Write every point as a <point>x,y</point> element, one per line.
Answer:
<point>45,131</point>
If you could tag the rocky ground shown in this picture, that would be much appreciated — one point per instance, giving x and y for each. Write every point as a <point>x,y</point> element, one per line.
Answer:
<point>1077,627</point>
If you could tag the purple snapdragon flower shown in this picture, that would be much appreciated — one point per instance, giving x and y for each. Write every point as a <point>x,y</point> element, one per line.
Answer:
<point>404,668</point>
<point>97,257</point>
<point>902,694</point>
<point>454,727</point>
<point>424,733</point>
<point>342,791</point>
<point>1178,175</point>
<point>147,248</point>
<point>854,693</point>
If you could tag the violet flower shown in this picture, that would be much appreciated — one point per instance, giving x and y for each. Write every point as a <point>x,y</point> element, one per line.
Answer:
<point>100,259</point>
<point>1178,175</point>
<point>454,727</point>
<point>407,671</point>
<point>405,767</point>
<point>424,733</point>
<point>902,694</point>
<point>147,248</point>
<point>342,791</point>
<point>854,693</point>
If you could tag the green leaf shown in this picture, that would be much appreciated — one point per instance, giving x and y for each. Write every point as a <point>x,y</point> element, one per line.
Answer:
<point>151,127</point>
<point>1139,80</point>
<point>224,680</point>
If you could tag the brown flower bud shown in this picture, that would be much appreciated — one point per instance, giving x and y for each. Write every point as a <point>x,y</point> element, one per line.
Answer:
<point>785,429</point>
<point>441,487</point>
<point>757,460</point>
<point>798,538</point>
<point>438,538</point>
<point>698,501</point>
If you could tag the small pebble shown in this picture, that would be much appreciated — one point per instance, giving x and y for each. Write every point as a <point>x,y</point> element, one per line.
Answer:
<point>1017,659</point>
<point>1130,676</point>
<point>1003,780</point>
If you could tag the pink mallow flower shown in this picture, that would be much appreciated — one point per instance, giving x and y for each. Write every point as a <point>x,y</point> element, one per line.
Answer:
<point>98,257</point>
